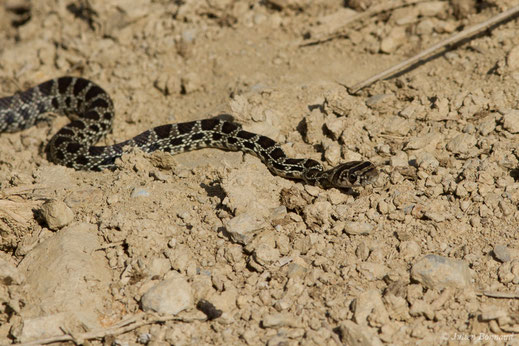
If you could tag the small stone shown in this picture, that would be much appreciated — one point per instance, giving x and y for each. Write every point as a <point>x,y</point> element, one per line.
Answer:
<point>369,308</point>
<point>398,126</point>
<point>278,320</point>
<point>357,228</point>
<point>169,296</point>
<point>56,214</point>
<point>139,192</point>
<point>463,142</point>
<point>427,161</point>
<point>421,308</point>
<point>405,15</point>
<point>409,249</point>
<point>358,335</point>
<point>265,254</point>
<point>431,8</point>
<point>393,40</point>
<point>296,271</point>
<point>437,272</point>
<point>400,159</point>
<point>502,253</point>
<point>511,121</point>
<point>372,271</point>
<point>335,125</point>
<point>243,227</point>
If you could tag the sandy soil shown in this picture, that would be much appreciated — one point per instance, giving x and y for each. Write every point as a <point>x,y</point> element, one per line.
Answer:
<point>277,262</point>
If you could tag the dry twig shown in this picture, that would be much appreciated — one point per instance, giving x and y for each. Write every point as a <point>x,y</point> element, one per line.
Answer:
<point>455,38</point>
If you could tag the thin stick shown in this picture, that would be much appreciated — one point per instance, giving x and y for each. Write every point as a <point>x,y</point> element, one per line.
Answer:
<point>452,39</point>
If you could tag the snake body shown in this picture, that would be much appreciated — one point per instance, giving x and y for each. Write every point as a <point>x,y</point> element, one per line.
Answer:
<point>91,112</point>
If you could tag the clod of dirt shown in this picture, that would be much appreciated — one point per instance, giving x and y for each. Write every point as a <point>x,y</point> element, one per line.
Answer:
<point>56,214</point>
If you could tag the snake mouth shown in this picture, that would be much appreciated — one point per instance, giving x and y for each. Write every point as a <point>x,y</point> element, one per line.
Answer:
<point>354,173</point>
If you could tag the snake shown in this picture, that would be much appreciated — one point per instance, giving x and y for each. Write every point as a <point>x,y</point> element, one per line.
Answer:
<point>90,110</point>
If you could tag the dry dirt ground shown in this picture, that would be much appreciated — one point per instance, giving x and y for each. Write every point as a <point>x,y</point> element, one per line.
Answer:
<point>208,247</point>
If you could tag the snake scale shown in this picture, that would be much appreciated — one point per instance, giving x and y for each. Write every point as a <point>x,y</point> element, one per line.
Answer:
<point>91,112</point>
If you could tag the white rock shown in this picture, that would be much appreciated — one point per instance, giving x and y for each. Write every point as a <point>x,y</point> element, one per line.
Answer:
<point>169,296</point>
<point>437,272</point>
<point>502,253</point>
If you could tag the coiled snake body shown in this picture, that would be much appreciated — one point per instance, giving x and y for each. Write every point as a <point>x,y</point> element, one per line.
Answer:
<point>91,112</point>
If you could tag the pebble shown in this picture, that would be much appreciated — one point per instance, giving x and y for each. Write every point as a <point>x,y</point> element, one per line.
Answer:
<point>56,214</point>
<point>427,161</point>
<point>264,254</point>
<point>437,272</point>
<point>357,335</point>
<point>369,307</point>
<point>405,15</point>
<point>372,271</point>
<point>169,296</point>
<point>139,192</point>
<point>400,159</point>
<point>394,40</point>
<point>462,143</point>
<point>243,227</point>
<point>397,126</point>
<point>409,249</point>
<point>357,228</point>
<point>502,253</point>
<point>511,121</point>
<point>277,320</point>
<point>431,8</point>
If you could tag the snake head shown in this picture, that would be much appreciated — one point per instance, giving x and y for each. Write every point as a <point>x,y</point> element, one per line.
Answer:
<point>353,173</point>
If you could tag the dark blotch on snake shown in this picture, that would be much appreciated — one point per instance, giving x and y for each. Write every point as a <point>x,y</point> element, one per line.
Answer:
<point>209,124</point>
<point>93,92</point>
<point>184,128</point>
<point>63,84</point>
<point>163,131</point>
<point>277,153</point>
<point>228,127</point>
<point>79,86</point>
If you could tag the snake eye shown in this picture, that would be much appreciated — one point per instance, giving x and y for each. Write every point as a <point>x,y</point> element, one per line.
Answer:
<point>352,178</point>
